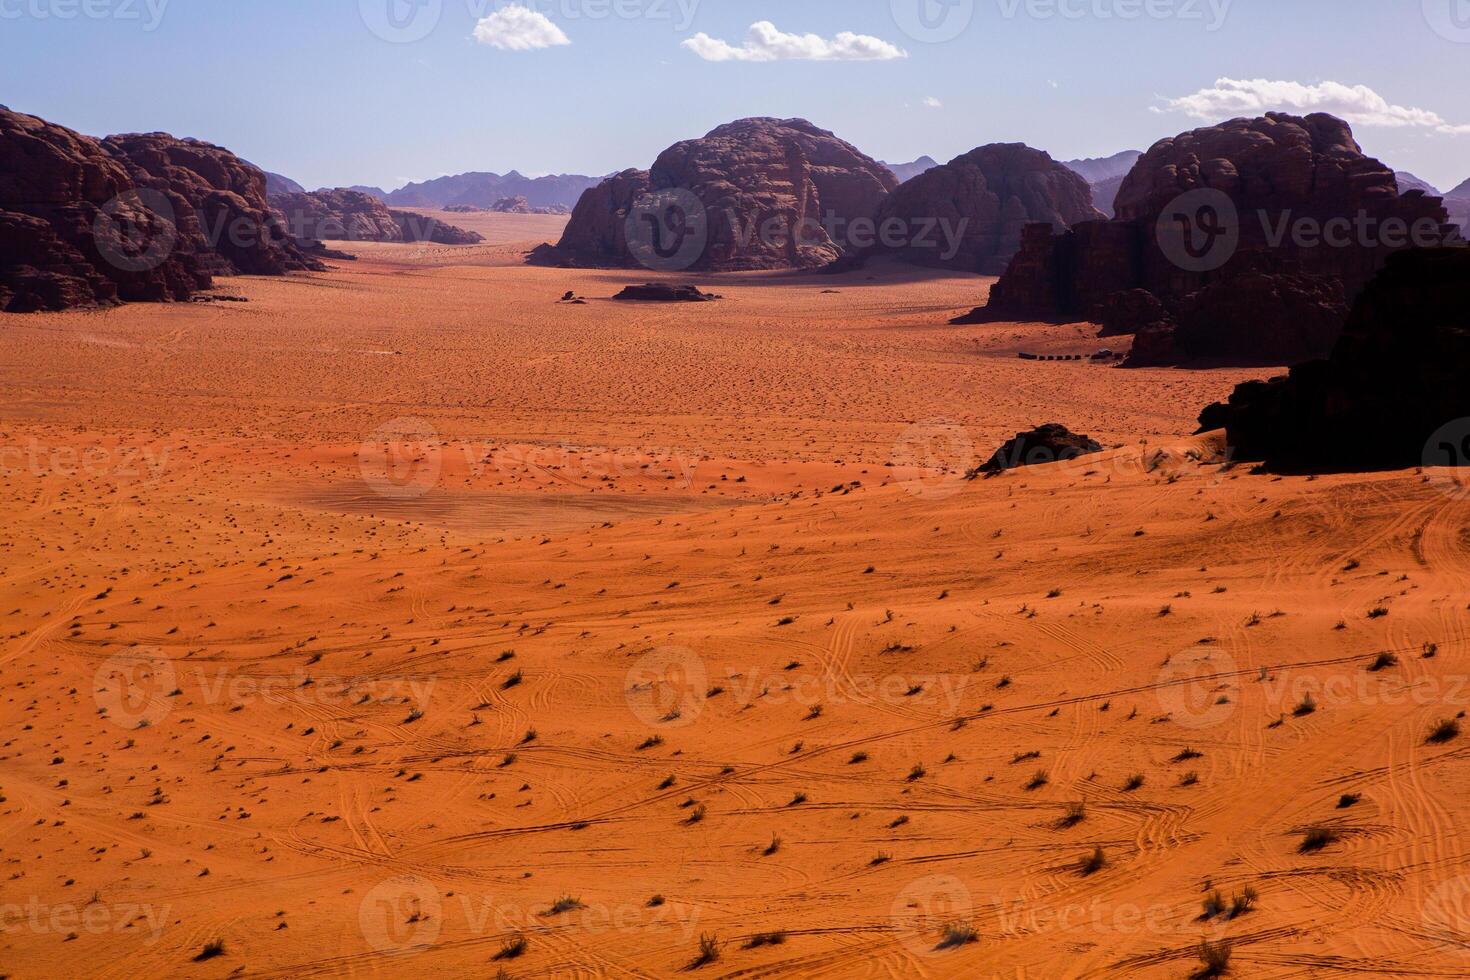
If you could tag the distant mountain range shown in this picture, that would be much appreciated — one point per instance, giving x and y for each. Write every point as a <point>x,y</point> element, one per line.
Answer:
<point>482,190</point>
<point>1095,170</point>
<point>908,171</point>
<point>1105,174</point>
<point>474,190</point>
<point>1408,182</point>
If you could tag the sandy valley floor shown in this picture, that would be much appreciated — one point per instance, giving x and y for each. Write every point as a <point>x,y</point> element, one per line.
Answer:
<point>403,619</point>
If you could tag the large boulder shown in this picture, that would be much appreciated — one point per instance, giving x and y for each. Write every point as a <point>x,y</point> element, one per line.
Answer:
<point>73,230</point>
<point>1276,172</point>
<point>1049,443</point>
<point>218,201</point>
<point>968,213</point>
<point>771,194</point>
<point>1395,378</point>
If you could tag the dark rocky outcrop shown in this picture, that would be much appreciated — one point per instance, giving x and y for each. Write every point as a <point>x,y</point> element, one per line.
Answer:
<point>660,292</point>
<point>1050,443</point>
<point>773,194</point>
<point>219,204</point>
<point>73,232</point>
<point>968,213</point>
<point>1273,170</point>
<point>1394,379</point>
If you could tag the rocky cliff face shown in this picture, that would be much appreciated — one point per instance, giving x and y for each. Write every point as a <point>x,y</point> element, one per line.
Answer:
<point>769,194</point>
<point>1392,393</point>
<point>219,203</point>
<point>1304,200</point>
<point>72,233</point>
<point>968,214</point>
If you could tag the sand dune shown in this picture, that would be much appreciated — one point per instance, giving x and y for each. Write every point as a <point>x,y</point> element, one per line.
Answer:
<point>402,616</point>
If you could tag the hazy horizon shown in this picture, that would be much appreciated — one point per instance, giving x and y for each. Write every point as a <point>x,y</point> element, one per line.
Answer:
<point>342,94</point>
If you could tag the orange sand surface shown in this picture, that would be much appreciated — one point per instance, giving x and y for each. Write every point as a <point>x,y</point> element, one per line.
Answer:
<point>403,619</point>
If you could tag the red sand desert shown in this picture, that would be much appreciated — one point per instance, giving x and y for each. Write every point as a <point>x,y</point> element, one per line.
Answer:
<point>404,619</point>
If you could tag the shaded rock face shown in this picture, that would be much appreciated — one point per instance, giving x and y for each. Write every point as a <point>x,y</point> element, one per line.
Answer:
<point>1050,443</point>
<point>219,203</point>
<point>71,234</point>
<point>1131,311</point>
<point>765,194</point>
<point>968,214</point>
<point>1392,393</point>
<point>348,215</point>
<point>1287,178</point>
<point>596,235</point>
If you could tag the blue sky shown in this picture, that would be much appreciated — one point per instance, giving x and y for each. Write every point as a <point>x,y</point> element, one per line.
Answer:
<point>309,89</point>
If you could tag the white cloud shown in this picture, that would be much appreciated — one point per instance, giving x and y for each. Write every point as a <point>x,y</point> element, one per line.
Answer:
<point>766,43</point>
<point>933,103</point>
<point>515,28</point>
<point>1358,104</point>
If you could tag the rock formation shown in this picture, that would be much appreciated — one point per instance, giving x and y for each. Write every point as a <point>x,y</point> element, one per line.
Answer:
<point>336,215</point>
<point>662,292</point>
<point>1383,398</point>
<point>1287,178</point>
<point>1050,443</point>
<point>83,226</point>
<point>219,204</point>
<point>770,194</point>
<point>968,213</point>
<point>347,215</point>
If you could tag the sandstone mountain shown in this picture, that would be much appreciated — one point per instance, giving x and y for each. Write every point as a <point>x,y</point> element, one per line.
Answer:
<point>981,201</point>
<point>219,202</point>
<point>908,171</point>
<point>769,194</point>
<point>1394,381</point>
<point>1278,173</point>
<point>347,215</point>
<point>145,218</point>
